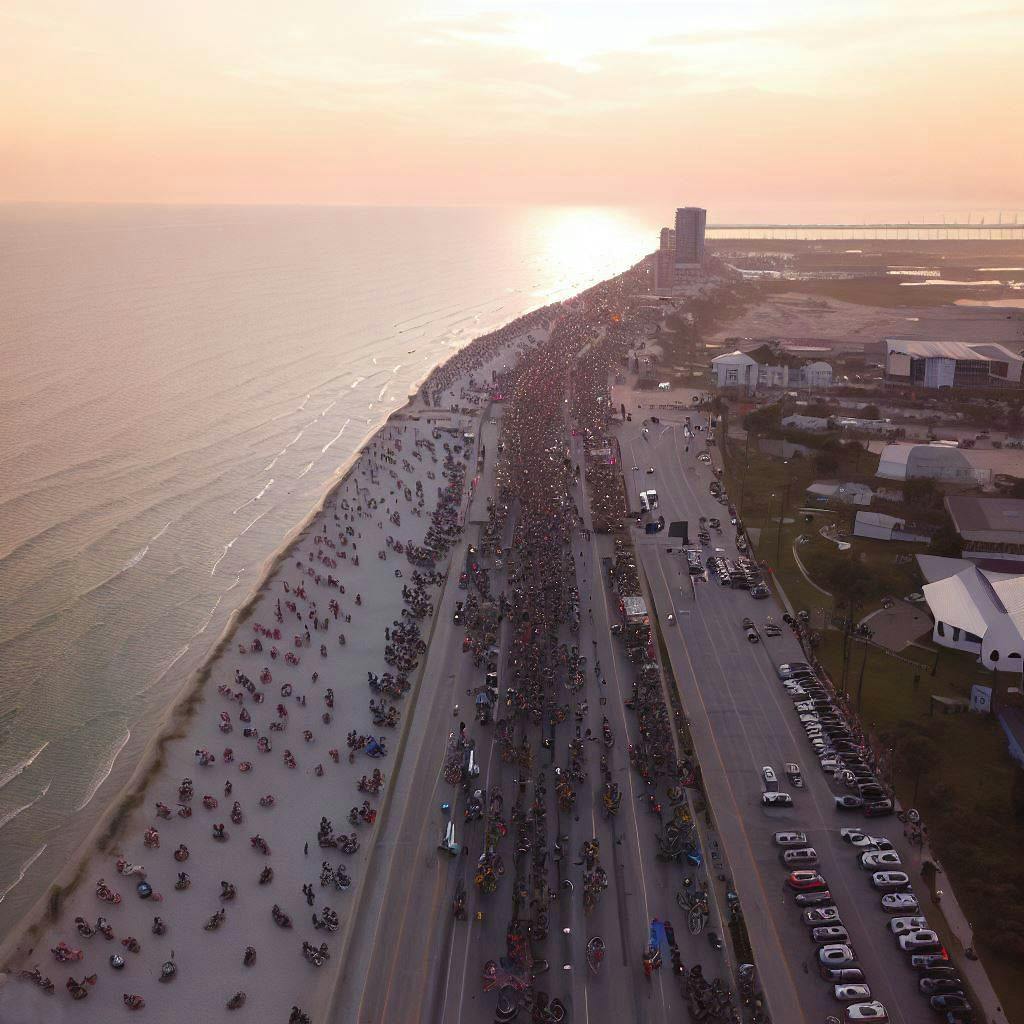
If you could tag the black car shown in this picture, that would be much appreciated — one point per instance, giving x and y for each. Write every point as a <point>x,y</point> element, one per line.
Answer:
<point>813,899</point>
<point>949,1002</point>
<point>878,808</point>
<point>457,617</point>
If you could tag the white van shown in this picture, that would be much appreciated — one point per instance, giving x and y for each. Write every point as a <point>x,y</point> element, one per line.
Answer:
<point>652,498</point>
<point>644,504</point>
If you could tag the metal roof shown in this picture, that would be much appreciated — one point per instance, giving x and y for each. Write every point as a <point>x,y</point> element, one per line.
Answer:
<point>948,349</point>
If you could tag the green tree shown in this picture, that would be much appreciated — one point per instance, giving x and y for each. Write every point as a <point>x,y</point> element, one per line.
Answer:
<point>826,463</point>
<point>921,493</point>
<point>946,541</point>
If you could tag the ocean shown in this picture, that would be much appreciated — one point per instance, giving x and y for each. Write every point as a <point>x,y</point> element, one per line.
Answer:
<point>180,386</point>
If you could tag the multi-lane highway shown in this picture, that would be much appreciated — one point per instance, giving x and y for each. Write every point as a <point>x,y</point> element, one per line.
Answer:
<point>742,720</point>
<point>410,960</point>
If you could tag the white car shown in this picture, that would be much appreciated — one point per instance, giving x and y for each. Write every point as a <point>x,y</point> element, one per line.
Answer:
<point>837,956</point>
<point>897,902</point>
<point>880,860</point>
<point>790,838</point>
<point>924,940</point>
<point>865,842</point>
<point>873,1011</point>
<point>851,993</point>
<point>776,800</point>
<point>817,916</point>
<point>890,881</point>
<point>770,779</point>
<point>789,668</point>
<point>904,925</point>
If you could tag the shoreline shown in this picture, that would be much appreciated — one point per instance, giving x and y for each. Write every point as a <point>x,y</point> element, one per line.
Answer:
<point>181,709</point>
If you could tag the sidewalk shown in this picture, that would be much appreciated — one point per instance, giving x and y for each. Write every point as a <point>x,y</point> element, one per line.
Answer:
<point>973,971</point>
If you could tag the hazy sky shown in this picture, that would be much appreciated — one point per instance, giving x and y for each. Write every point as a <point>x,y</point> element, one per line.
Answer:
<point>747,107</point>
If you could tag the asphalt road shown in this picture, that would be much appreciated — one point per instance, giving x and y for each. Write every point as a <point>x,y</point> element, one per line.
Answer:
<point>741,719</point>
<point>411,960</point>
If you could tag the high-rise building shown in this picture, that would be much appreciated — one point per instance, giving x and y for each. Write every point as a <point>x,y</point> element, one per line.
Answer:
<point>665,267</point>
<point>690,223</point>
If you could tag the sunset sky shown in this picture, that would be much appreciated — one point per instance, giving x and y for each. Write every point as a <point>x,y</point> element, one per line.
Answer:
<point>801,109</point>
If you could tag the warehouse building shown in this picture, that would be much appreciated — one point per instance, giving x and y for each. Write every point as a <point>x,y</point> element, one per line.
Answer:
<point>951,364</point>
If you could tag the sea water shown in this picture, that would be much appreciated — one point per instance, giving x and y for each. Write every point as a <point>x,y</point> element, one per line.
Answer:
<point>179,386</point>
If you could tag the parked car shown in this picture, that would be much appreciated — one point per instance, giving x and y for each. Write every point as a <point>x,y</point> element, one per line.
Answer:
<point>926,961</point>
<point>878,808</point>
<point>890,881</point>
<point>943,970</point>
<point>826,934</point>
<point>776,800</point>
<point>806,881</point>
<point>842,974</point>
<point>851,993</point>
<point>950,1001</point>
<point>880,860</point>
<point>839,955</point>
<point>872,1011</point>
<point>801,857</point>
<point>789,668</point>
<point>903,925</point>
<point>790,838</point>
<point>813,899</point>
<point>848,802</point>
<point>821,915</point>
<point>898,902</point>
<point>923,941</point>
<point>940,986</point>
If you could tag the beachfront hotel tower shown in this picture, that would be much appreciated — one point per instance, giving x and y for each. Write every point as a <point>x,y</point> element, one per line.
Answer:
<point>690,224</point>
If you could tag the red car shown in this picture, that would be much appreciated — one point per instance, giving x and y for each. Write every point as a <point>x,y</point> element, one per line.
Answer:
<point>806,881</point>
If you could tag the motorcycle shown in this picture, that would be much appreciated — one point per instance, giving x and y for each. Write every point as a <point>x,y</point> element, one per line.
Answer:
<point>249,957</point>
<point>105,893</point>
<point>65,954</point>
<point>259,843</point>
<point>281,919</point>
<point>606,734</point>
<point>236,1001</point>
<point>266,876</point>
<point>37,978</point>
<point>151,838</point>
<point>595,953</point>
<point>227,891</point>
<point>77,988</point>
<point>215,921</point>
<point>133,1002</point>
<point>183,881</point>
<point>125,868</point>
<point>236,813</point>
<point>267,801</point>
<point>316,955</point>
<point>168,970</point>
<point>181,853</point>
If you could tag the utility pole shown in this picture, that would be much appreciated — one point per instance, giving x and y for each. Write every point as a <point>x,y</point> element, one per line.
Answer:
<point>746,465</point>
<point>863,663</point>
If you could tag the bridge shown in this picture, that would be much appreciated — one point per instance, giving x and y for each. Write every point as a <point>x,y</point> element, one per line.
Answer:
<point>1003,230</point>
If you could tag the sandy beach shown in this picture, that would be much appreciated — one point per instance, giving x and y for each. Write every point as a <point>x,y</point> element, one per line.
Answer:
<point>281,710</point>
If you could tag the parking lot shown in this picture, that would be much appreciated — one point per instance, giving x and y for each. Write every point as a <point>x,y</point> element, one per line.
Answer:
<point>742,719</point>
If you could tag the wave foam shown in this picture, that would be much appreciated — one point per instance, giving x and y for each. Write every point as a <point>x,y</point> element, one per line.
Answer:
<point>11,815</point>
<point>103,773</point>
<point>13,773</point>
<point>24,870</point>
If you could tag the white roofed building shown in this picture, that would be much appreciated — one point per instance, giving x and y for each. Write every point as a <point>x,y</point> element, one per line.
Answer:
<point>933,462</point>
<point>977,611</point>
<point>951,364</point>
